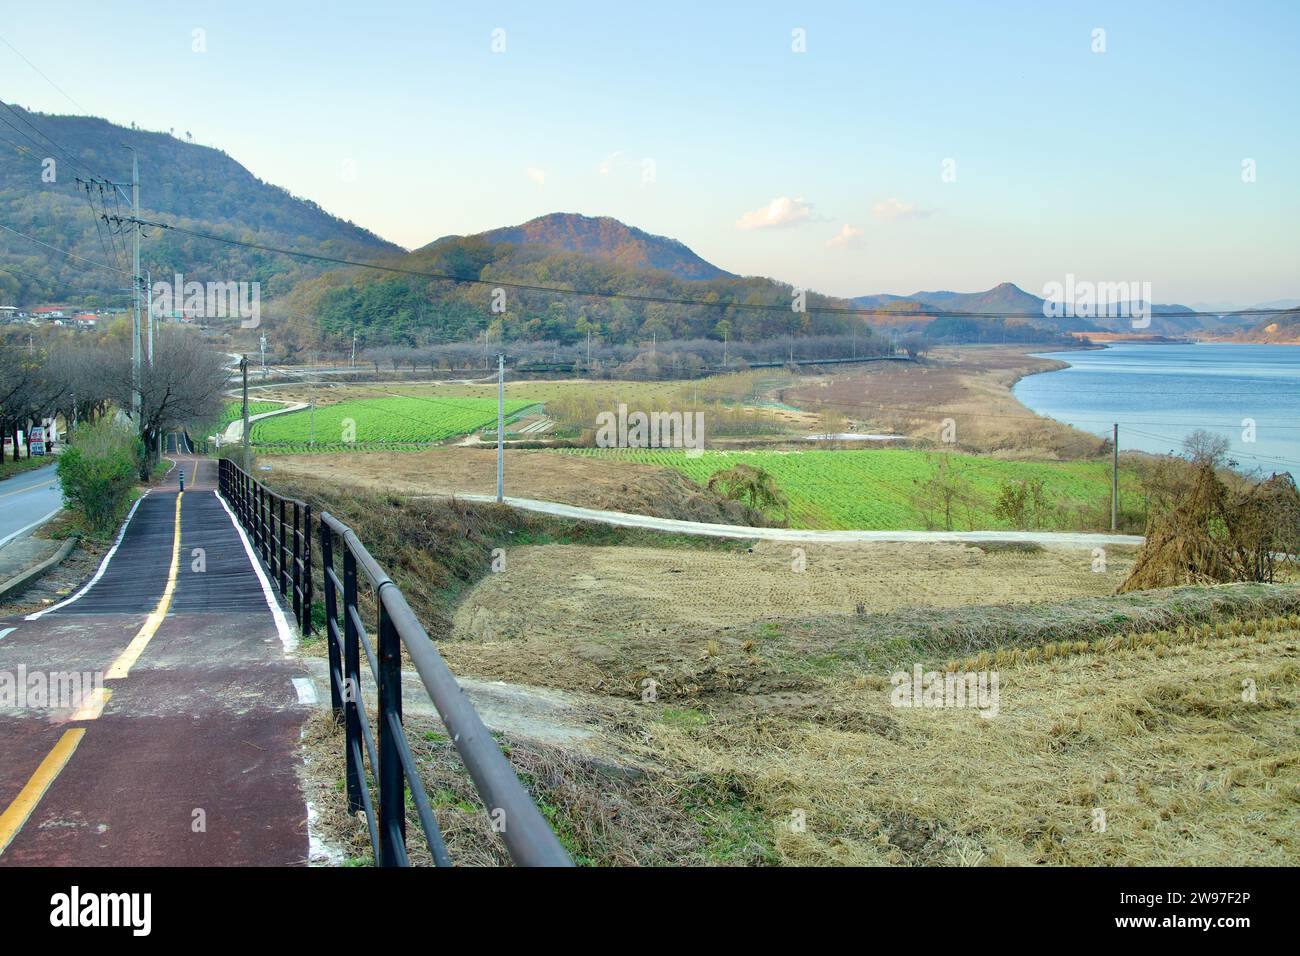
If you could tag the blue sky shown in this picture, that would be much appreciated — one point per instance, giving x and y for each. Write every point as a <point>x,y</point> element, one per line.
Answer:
<point>1119,165</point>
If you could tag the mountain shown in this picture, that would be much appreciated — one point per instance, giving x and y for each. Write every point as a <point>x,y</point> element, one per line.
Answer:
<point>195,186</point>
<point>605,238</point>
<point>411,310</point>
<point>1004,298</point>
<point>1166,319</point>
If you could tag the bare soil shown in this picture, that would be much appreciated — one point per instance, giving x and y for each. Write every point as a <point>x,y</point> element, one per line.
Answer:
<point>567,479</point>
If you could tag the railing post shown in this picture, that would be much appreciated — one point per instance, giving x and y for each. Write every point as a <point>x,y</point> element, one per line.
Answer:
<point>331,619</point>
<point>262,505</point>
<point>280,546</point>
<point>392,781</point>
<point>307,585</point>
<point>256,529</point>
<point>296,568</point>
<point>272,544</point>
<point>352,678</point>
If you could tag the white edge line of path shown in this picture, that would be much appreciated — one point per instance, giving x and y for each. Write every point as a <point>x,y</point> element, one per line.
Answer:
<point>103,565</point>
<point>287,638</point>
<point>35,524</point>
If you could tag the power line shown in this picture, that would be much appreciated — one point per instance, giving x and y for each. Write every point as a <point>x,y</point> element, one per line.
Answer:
<point>67,154</point>
<point>43,76</point>
<point>632,297</point>
<point>70,255</point>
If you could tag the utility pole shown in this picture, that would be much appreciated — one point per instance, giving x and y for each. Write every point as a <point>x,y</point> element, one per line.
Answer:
<point>311,395</point>
<point>588,351</point>
<point>263,346</point>
<point>353,362</point>
<point>1114,478</point>
<point>501,426</point>
<point>243,370</point>
<point>149,280</point>
<point>135,283</point>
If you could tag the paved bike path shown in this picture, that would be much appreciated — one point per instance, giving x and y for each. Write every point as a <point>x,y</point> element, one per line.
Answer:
<point>189,753</point>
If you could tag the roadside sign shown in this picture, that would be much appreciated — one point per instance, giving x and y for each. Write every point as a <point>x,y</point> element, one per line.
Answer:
<point>37,448</point>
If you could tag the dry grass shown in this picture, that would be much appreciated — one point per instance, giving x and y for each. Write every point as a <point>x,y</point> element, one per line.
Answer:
<point>971,385</point>
<point>1186,771</point>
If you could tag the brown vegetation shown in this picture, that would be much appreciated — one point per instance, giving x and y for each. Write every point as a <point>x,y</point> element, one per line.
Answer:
<point>1201,530</point>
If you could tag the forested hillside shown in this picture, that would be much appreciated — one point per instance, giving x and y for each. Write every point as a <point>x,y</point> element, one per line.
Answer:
<point>412,310</point>
<point>193,185</point>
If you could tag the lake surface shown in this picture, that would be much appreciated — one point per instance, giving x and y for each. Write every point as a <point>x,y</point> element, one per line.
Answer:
<point>1160,393</point>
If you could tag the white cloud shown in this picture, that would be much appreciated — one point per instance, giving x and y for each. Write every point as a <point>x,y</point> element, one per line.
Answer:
<point>847,237</point>
<point>782,211</point>
<point>536,175</point>
<point>897,209</point>
<point>609,162</point>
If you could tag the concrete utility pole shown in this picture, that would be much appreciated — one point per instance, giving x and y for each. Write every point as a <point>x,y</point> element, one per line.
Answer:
<point>1114,478</point>
<point>501,427</point>
<point>353,362</point>
<point>243,371</point>
<point>263,347</point>
<point>149,285</point>
<point>311,396</point>
<point>135,283</point>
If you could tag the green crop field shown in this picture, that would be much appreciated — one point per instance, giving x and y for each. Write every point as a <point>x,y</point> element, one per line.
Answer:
<point>380,423</point>
<point>235,410</point>
<point>879,489</point>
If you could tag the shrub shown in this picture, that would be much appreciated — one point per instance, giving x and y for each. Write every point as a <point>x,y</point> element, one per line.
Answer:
<point>98,474</point>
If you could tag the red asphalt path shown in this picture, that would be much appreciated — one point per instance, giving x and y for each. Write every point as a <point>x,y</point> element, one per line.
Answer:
<point>194,759</point>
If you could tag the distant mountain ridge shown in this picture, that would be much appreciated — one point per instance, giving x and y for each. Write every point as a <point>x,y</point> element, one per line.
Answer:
<point>605,238</point>
<point>1166,319</point>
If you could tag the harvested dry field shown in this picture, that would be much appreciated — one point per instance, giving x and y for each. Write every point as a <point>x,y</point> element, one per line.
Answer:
<point>600,618</point>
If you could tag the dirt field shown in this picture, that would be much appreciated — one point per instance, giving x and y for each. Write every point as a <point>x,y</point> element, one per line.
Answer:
<point>602,619</point>
<point>546,475</point>
<point>596,592</point>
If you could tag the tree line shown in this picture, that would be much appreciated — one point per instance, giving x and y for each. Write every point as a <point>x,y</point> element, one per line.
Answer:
<point>82,378</point>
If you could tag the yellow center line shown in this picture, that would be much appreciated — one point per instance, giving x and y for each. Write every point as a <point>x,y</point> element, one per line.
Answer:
<point>39,486</point>
<point>93,705</point>
<point>122,666</point>
<point>16,814</point>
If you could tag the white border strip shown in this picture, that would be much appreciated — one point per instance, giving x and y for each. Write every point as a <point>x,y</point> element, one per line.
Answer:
<point>35,524</point>
<point>103,565</point>
<point>287,637</point>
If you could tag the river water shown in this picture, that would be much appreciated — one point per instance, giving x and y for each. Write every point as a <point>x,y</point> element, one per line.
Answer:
<point>1160,393</point>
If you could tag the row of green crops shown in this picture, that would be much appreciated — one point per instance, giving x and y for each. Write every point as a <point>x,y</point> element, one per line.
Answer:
<point>234,410</point>
<point>867,490</point>
<point>382,422</point>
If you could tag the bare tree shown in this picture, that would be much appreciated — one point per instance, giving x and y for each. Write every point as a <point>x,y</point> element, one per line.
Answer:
<point>184,386</point>
<point>1204,447</point>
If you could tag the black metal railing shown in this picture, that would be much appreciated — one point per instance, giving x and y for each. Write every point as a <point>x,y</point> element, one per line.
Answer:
<point>383,745</point>
<point>279,530</point>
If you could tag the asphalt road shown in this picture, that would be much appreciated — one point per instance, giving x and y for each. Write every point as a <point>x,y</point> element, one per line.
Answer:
<point>27,499</point>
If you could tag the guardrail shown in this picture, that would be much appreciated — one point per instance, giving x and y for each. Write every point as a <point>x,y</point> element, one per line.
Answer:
<point>514,817</point>
<point>280,532</point>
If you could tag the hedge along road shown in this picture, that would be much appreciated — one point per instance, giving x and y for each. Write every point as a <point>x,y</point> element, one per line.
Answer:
<point>27,500</point>
<point>167,722</point>
<point>1060,539</point>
